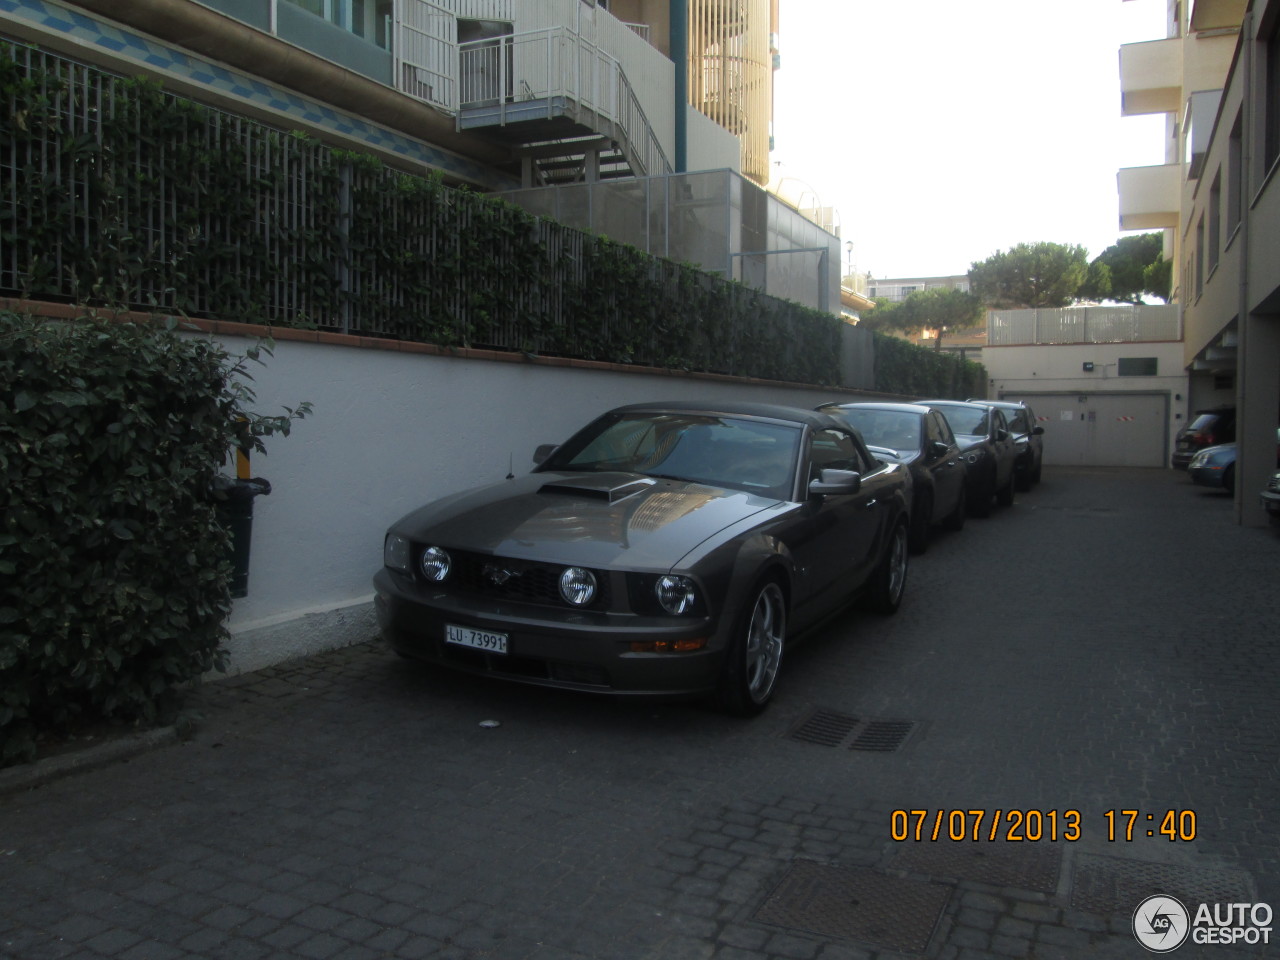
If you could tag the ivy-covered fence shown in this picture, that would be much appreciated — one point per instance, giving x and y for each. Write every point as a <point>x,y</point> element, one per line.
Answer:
<point>905,368</point>
<point>116,192</point>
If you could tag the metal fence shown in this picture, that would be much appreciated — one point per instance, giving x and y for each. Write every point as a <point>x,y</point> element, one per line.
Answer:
<point>1118,324</point>
<point>115,192</point>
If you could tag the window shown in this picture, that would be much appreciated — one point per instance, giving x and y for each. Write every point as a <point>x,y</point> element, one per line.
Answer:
<point>1271,102</point>
<point>1199,254</point>
<point>1137,367</point>
<point>1235,178</point>
<point>1215,220</point>
<point>832,450</point>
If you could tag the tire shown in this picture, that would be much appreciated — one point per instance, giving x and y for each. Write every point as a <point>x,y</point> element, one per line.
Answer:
<point>884,592</point>
<point>755,652</point>
<point>1004,496</point>
<point>921,517</point>
<point>957,517</point>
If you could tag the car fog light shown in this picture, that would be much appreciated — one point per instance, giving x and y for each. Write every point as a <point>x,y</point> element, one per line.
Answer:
<point>395,552</point>
<point>577,586</point>
<point>436,564</point>
<point>676,594</point>
<point>668,646</point>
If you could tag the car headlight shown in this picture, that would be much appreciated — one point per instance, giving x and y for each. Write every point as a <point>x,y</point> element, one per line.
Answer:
<point>395,552</point>
<point>436,564</point>
<point>577,586</point>
<point>1198,460</point>
<point>676,594</point>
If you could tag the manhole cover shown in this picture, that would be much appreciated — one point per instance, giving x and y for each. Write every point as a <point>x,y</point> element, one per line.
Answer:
<point>1026,866</point>
<point>1107,885</point>
<point>828,728</point>
<point>855,903</point>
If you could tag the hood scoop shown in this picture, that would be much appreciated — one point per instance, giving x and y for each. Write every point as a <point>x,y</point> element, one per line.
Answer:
<point>609,487</point>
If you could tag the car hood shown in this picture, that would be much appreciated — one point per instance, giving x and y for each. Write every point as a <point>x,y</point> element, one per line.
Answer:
<point>1218,450</point>
<point>591,519</point>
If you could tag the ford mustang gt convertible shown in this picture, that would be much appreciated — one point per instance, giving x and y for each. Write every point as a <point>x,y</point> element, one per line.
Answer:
<point>666,549</point>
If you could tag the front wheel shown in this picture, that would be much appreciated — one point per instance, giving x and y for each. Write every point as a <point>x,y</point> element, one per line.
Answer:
<point>755,652</point>
<point>884,593</point>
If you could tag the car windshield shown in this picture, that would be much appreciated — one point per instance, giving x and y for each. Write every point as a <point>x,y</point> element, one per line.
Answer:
<point>720,451</point>
<point>967,420</point>
<point>897,430</point>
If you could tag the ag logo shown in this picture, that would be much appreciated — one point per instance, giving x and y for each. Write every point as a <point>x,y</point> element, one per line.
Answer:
<point>1161,924</point>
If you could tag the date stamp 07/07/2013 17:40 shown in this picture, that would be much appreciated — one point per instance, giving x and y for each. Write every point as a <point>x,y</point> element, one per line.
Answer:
<point>1032,825</point>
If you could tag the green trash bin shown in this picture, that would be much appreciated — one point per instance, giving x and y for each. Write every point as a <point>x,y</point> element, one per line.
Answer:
<point>235,512</point>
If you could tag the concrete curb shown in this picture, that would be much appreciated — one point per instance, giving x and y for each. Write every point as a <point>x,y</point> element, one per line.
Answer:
<point>28,776</point>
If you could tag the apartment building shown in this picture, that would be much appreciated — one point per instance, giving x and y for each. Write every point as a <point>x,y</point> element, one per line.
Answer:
<point>1216,77</point>
<point>501,96</point>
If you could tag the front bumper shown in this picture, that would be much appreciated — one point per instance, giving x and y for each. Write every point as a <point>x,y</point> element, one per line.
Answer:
<point>1206,476</point>
<point>576,650</point>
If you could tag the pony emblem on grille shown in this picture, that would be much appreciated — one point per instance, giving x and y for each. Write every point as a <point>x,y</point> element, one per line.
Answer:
<point>498,575</point>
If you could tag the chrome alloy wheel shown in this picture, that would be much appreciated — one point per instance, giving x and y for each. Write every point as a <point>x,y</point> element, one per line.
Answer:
<point>897,561</point>
<point>765,635</point>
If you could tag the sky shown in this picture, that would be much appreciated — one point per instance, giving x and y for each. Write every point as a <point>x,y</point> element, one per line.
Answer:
<point>943,131</point>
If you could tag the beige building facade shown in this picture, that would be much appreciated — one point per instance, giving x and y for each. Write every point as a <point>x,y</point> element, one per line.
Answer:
<point>1216,76</point>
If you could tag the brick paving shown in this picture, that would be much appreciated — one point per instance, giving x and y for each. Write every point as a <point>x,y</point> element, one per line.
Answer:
<point>1108,643</point>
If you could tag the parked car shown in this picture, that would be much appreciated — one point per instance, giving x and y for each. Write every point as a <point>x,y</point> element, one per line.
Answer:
<point>988,448</point>
<point>1028,437</point>
<point>1215,467</point>
<point>664,548</point>
<point>1271,497</point>
<point>1205,428</point>
<point>920,438</point>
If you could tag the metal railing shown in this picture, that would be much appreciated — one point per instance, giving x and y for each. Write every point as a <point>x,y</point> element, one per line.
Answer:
<point>557,71</point>
<point>1118,324</point>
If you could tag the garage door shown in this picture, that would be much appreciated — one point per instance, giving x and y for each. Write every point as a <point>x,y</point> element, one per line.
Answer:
<point>1102,429</point>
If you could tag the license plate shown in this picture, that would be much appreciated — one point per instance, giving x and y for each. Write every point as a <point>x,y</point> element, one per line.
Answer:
<point>476,639</point>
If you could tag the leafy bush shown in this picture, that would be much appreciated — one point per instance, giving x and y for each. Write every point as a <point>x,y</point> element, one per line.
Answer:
<point>905,368</point>
<point>113,582</point>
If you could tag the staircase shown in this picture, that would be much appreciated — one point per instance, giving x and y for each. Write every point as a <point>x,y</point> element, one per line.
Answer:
<point>563,106</point>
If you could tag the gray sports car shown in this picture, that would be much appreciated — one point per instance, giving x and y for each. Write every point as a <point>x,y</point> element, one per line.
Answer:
<point>669,549</point>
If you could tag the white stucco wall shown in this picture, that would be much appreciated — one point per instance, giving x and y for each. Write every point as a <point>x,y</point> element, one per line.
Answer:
<point>391,431</point>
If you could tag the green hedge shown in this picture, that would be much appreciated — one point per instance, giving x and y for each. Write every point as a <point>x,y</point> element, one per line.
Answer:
<point>902,367</point>
<point>113,582</point>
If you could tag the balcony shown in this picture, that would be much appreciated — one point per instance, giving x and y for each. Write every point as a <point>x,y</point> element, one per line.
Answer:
<point>1149,196</point>
<point>1217,14</point>
<point>1150,77</point>
<point>1155,74</point>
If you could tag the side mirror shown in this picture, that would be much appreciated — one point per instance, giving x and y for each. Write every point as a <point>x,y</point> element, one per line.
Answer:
<point>544,450</point>
<point>835,483</point>
<point>938,448</point>
<point>1002,434</point>
<point>1037,431</point>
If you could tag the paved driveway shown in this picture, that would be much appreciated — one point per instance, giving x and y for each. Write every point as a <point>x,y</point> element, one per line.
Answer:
<point>1109,643</point>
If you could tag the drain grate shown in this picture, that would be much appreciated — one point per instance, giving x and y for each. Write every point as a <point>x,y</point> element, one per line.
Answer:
<point>855,903</point>
<point>1107,885</point>
<point>827,728</point>
<point>1026,866</point>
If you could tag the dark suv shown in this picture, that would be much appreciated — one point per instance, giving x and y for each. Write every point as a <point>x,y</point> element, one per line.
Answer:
<point>1027,435</point>
<point>1205,428</point>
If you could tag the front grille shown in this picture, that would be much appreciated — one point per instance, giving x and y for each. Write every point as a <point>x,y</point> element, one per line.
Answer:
<point>526,581</point>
